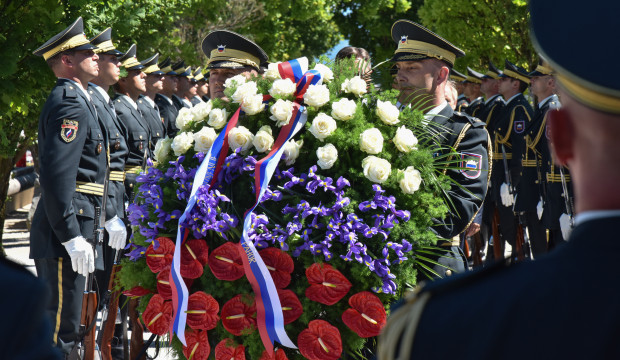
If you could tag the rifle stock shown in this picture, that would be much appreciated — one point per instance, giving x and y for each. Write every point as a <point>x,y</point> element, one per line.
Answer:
<point>137,331</point>
<point>110,311</point>
<point>477,249</point>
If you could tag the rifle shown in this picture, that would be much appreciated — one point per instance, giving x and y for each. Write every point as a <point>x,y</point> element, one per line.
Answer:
<point>523,241</point>
<point>477,249</point>
<point>498,244</point>
<point>108,318</point>
<point>137,331</point>
<point>567,202</point>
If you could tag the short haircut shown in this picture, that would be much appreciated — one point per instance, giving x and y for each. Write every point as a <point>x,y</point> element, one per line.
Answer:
<point>53,61</point>
<point>351,51</point>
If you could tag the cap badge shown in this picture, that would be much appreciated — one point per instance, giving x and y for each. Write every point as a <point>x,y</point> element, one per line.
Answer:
<point>403,39</point>
<point>221,48</point>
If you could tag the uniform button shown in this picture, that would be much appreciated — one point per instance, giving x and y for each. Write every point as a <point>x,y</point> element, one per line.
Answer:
<point>71,87</point>
<point>130,185</point>
<point>140,136</point>
<point>448,272</point>
<point>81,211</point>
<point>119,100</point>
<point>536,181</point>
<point>157,134</point>
<point>117,134</point>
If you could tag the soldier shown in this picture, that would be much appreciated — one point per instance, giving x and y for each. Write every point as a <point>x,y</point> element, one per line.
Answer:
<point>531,179</point>
<point>72,174</point>
<point>167,111</point>
<point>183,85</point>
<point>109,72</point>
<point>203,86</point>
<point>461,100</point>
<point>424,60</point>
<point>128,90</point>
<point>508,144</point>
<point>199,83</point>
<point>472,91</point>
<point>520,312</point>
<point>230,54</point>
<point>146,102</point>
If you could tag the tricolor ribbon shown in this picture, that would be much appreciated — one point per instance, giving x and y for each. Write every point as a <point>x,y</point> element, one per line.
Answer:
<point>270,321</point>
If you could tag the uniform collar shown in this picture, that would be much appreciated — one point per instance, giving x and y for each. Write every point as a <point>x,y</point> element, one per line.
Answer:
<point>545,100</point>
<point>512,98</point>
<point>186,102</point>
<point>129,100</point>
<point>100,90</point>
<point>79,87</point>
<point>148,100</point>
<point>166,98</point>
<point>434,111</point>
<point>492,98</point>
<point>198,98</point>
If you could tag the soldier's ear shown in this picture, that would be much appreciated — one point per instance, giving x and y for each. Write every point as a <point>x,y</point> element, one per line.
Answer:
<point>561,135</point>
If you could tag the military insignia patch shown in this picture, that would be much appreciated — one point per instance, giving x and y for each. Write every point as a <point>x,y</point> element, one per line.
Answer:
<point>68,130</point>
<point>403,39</point>
<point>471,165</point>
<point>519,126</point>
<point>221,48</point>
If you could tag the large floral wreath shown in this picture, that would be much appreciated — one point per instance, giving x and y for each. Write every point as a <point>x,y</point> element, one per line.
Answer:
<point>341,227</point>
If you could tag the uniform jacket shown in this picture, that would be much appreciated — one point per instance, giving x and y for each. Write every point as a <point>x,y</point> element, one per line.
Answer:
<point>531,183</point>
<point>169,113</point>
<point>71,149</point>
<point>117,142</point>
<point>474,107</point>
<point>529,310</point>
<point>153,119</point>
<point>509,130</point>
<point>461,103</point>
<point>179,103</point>
<point>196,100</point>
<point>473,175</point>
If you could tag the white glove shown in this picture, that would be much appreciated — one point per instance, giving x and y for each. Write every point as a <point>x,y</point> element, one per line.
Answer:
<point>82,255</point>
<point>507,199</point>
<point>117,231</point>
<point>565,226</point>
<point>539,209</point>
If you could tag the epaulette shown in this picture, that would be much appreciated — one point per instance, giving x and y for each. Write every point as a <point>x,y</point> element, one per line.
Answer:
<point>475,122</point>
<point>554,105</point>
<point>70,91</point>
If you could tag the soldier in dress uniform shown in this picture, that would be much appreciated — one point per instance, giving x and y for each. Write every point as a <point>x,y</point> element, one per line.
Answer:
<point>183,85</point>
<point>146,102</point>
<point>531,184</point>
<point>203,86</point>
<point>230,54</point>
<point>109,72</point>
<point>128,90</point>
<point>198,81</point>
<point>72,150</point>
<point>473,93</point>
<point>424,60</point>
<point>508,144</point>
<point>163,99</point>
<point>461,100</point>
<point>533,310</point>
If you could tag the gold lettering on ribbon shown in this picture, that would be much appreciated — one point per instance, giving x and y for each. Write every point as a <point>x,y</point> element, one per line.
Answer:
<point>249,253</point>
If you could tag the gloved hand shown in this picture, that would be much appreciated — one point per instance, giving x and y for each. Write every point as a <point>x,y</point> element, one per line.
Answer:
<point>565,226</point>
<point>82,255</point>
<point>117,231</point>
<point>507,198</point>
<point>539,209</point>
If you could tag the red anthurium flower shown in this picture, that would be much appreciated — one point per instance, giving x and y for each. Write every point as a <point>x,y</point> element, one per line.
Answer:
<point>239,315</point>
<point>163,283</point>
<point>197,345</point>
<point>158,315</point>
<point>280,265</point>
<point>320,341</point>
<point>367,316</point>
<point>202,311</point>
<point>327,285</point>
<point>225,262</point>
<point>278,355</point>
<point>227,349</point>
<point>158,259</point>
<point>137,291</point>
<point>194,256</point>
<point>291,307</point>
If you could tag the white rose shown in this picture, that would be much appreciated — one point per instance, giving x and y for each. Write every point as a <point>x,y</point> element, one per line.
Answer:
<point>201,110</point>
<point>162,149</point>
<point>411,180</point>
<point>356,85</point>
<point>204,139</point>
<point>387,112</point>
<point>327,155</point>
<point>343,109</point>
<point>326,73</point>
<point>182,142</point>
<point>291,151</point>
<point>316,95</point>
<point>404,139</point>
<point>272,72</point>
<point>263,140</point>
<point>252,105</point>
<point>322,126</point>
<point>281,112</point>
<point>240,137</point>
<point>282,88</point>
<point>184,117</point>
<point>371,141</point>
<point>217,118</point>
<point>245,90</point>
<point>234,81</point>
<point>376,169</point>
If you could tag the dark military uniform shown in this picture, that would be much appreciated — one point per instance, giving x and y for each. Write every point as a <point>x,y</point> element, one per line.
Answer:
<point>150,112</point>
<point>182,71</point>
<point>476,104</point>
<point>508,132</point>
<point>465,134</point>
<point>461,103</point>
<point>167,110</point>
